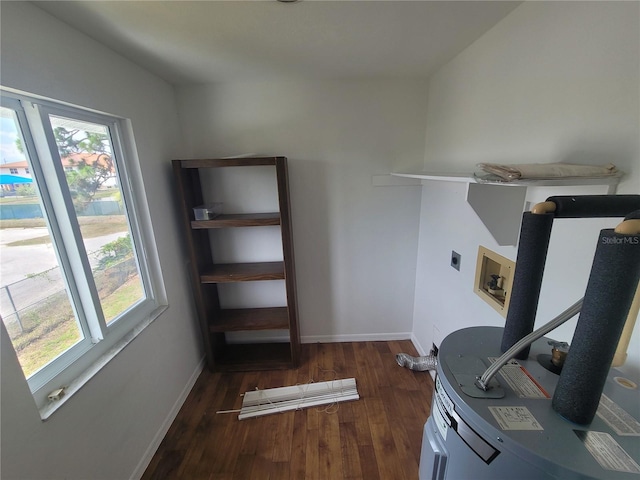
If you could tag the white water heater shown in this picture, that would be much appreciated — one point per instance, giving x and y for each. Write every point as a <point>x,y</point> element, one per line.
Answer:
<point>520,436</point>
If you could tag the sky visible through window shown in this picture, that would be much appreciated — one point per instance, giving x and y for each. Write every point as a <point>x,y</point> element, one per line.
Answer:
<point>9,152</point>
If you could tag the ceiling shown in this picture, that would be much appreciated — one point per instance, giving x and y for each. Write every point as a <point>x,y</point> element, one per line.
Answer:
<point>192,42</point>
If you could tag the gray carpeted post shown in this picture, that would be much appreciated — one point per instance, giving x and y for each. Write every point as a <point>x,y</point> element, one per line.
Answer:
<point>610,291</point>
<point>527,279</point>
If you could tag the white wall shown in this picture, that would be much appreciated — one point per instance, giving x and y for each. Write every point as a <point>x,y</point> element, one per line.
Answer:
<point>108,426</point>
<point>553,81</point>
<point>355,244</point>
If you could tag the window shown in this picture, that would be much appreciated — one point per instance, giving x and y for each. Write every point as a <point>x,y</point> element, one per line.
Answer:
<point>79,275</point>
<point>13,171</point>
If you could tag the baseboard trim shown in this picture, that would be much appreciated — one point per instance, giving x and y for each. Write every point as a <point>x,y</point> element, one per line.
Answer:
<point>359,337</point>
<point>366,337</point>
<point>164,428</point>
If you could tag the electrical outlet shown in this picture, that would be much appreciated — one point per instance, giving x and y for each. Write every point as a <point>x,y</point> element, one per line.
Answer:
<point>455,260</point>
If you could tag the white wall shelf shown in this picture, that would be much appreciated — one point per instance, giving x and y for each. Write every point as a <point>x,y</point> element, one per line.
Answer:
<point>612,180</point>
<point>500,204</point>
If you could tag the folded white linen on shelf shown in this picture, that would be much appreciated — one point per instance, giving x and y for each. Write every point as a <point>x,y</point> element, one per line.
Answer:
<point>547,170</point>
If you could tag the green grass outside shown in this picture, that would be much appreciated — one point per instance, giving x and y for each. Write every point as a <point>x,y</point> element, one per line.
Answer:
<point>122,298</point>
<point>37,322</point>
<point>58,332</point>
<point>33,200</point>
<point>90,227</point>
<point>44,349</point>
<point>23,223</point>
<point>51,329</point>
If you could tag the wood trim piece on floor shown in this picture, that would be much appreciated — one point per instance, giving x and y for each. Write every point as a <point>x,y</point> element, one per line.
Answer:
<point>377,437</point>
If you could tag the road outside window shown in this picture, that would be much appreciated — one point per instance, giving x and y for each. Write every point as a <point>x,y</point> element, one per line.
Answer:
<point>71,270</point>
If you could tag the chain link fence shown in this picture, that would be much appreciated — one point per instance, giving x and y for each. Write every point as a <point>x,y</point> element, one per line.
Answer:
<point>27,303</point>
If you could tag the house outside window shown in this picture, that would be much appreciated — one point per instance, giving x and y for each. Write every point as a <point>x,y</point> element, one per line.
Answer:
<point>78,279</point>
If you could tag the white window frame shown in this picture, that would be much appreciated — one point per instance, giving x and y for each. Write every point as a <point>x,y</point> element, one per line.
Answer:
<point>71,370</point>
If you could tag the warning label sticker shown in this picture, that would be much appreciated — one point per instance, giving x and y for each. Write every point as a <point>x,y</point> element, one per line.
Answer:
<point>515,418</point>
<point>618,418</point>
<point>440,418</point>
<point>607,452</point>
<point>444,408</point>
<point>444,398</point>
<point>521,381</point>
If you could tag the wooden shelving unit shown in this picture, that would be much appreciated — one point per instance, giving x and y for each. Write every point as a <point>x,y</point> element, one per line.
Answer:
<point>239,220</point>
<point>206,275</point>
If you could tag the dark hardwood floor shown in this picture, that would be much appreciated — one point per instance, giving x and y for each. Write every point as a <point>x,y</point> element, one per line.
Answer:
<point>376,437</point>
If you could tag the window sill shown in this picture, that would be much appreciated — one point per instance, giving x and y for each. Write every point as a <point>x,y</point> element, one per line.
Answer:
<point>47,410</point>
